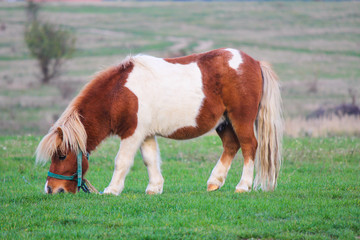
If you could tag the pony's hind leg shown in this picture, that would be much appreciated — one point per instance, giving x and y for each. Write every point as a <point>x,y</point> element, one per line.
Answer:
<point>123,161</point>
<point>151,156</point>
<point>243,124</point>
<point>231,146</point>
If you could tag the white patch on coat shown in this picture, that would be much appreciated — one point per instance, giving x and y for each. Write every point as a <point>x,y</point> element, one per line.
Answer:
<point>246,177</point>
<point>123,162</point>
<point>236,59</point>
<point>218,174</point>
<point>151,156</point>
<point>45,188</point>
<point>169,95</point>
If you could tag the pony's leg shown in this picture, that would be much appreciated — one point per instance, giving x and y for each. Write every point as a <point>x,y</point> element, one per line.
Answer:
<point>123,161</point>
<point>231,146</point>
<point>151,156</point>
<point>243,125</point>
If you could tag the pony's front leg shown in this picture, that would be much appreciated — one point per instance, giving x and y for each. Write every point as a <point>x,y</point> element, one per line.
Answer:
<point>151,156</point>
<point>123,161</point>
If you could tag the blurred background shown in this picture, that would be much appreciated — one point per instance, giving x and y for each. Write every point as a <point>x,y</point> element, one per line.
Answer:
<point>313,46</point>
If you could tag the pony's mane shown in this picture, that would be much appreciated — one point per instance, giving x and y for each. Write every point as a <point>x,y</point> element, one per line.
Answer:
<point>67,134</point>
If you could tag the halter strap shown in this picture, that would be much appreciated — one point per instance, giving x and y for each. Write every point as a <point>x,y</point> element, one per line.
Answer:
<point>62,177</point>
<point>79,168</point>
<point>80,182</point>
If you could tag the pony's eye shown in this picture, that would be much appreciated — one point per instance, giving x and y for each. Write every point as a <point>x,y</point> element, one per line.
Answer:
<point>62,157</point>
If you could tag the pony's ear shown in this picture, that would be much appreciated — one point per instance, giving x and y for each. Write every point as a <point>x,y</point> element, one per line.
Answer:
<point>60,136</point>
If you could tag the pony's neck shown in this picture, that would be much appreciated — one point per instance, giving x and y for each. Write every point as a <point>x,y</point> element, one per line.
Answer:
<point>95,103</point>
<point>96,130</point>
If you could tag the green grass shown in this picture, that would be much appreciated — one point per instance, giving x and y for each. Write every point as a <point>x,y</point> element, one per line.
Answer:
<point>317,195</point>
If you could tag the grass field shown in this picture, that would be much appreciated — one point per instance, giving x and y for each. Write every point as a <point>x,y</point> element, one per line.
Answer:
<point>317,195</point>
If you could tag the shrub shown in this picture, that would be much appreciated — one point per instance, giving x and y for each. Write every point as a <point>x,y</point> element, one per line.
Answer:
<point>50,45</point>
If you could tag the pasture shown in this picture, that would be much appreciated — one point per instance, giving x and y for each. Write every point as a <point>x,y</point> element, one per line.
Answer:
<point>310,44</point>
<point>317,195</point>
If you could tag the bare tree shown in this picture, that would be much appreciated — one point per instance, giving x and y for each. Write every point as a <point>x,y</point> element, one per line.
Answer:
<point>32,10</point>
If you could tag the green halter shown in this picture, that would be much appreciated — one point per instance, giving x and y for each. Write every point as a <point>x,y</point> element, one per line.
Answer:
<point>76,176</point>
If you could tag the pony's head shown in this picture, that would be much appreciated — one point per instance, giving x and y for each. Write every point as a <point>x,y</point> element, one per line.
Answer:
<point>65,140</point>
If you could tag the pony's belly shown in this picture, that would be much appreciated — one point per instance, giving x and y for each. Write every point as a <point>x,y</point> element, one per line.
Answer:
<point>193,132</point>
<point>172,119</point>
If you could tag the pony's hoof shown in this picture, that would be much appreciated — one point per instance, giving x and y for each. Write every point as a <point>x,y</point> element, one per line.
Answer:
<point>242,190</point>
<point>212,187</point>
<point>109,191</point>
<point>153,189</point>
<point>151,193</point>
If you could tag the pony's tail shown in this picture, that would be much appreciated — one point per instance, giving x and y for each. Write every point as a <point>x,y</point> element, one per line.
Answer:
<point>269,131</point>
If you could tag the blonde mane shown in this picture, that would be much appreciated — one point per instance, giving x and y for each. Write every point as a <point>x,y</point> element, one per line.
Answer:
<point>67,134</point>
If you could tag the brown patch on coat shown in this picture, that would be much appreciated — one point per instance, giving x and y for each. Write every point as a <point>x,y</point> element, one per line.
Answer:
<point>242,95</point>
<point>213,69</point>
<point>107,106</point>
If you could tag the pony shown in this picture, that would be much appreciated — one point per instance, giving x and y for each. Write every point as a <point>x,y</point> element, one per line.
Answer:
<point>177,98</point>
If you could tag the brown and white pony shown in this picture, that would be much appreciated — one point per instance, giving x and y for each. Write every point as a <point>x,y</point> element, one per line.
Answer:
<point>177,98</point>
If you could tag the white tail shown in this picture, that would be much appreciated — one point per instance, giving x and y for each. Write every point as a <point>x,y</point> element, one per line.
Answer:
<point>269,131</point>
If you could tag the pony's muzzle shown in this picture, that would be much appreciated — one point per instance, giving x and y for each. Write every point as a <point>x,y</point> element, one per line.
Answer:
<point>50,191</point>
<point>53,189</point>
